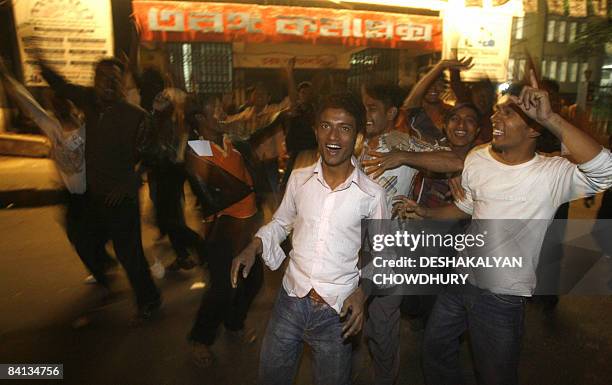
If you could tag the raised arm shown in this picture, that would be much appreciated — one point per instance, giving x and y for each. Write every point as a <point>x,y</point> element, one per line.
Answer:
<point>461,91</point>
<point>435,161</point>
<point>76,94</point>
<point>535,102</point>
<point>292,87</point>
<point>29,106</point>
<point>415,97</point>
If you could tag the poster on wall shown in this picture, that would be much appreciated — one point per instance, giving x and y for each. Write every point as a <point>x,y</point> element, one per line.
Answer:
<point>486,38</point>
<point>72,35</point>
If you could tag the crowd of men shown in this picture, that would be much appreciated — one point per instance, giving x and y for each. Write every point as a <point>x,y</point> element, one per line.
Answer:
<point>383,153</point>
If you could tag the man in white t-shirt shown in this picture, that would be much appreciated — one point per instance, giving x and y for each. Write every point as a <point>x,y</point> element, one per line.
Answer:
<point>506,179</point>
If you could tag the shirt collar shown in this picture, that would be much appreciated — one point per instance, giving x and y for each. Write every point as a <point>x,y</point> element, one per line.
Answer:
<point>362,181</point>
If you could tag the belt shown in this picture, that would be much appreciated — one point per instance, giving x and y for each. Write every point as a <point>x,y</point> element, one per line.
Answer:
<point>313,295</point>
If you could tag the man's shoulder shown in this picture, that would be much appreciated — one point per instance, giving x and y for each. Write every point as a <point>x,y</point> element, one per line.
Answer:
<point>477,154</point>
<point>301,175</point>
<point>368,186</point>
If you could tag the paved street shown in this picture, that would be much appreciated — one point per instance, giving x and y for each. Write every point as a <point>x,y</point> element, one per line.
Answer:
<point>42,294</point>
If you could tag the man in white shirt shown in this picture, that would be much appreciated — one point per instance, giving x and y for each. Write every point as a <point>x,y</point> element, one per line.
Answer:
<point>508,180</point>
<point>323,205</point>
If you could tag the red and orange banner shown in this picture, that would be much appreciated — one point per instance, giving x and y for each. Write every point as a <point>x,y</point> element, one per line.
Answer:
<point>193,21</point>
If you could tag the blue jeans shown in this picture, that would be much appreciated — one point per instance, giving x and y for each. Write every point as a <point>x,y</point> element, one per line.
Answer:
<point>293,322</point>
<point>495,325</point>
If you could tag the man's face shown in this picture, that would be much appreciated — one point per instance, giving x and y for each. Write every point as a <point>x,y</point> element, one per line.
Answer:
<point>305,94</point>
<point>434,92</point>
<point>107,82</point>
<point>260,98</point>
<point>212,112</point>
<point>462,127</point>
<point>509,128</point>
<point>336,134</point>
<point>378,117</point>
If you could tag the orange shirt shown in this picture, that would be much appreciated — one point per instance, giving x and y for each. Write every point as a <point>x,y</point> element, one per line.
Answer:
<point>230,160</point>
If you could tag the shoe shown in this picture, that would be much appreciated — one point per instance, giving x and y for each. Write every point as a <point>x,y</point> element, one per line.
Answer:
<point>201,355</point>
<point>246,336</point>
<point>146,312</point>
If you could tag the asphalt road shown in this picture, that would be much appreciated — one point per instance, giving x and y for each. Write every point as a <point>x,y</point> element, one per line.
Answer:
<point>42,294</point>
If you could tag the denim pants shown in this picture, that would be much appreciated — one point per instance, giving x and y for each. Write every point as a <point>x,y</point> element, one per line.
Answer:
<point>495,325</point>
<point>293,322</point>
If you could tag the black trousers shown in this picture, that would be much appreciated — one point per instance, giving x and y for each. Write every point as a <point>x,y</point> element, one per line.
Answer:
<point>121,224</point>
<point>94,257</point>
<point>168,179</point>
<point>221,303</point>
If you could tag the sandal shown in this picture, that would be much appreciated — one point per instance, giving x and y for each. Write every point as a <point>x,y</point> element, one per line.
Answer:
<point>201,354</point>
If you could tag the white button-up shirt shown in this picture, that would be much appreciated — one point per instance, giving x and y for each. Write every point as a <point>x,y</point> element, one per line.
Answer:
<point>326,228</point>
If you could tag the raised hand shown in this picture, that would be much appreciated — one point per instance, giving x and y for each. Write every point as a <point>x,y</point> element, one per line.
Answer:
<point>534,101</point>
<point>462,64</point>
<point>290,64</point>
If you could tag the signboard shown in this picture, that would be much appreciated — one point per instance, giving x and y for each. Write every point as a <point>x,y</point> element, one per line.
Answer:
<point>195,21</point>
<point>71,34</point>
<point>486,38</point>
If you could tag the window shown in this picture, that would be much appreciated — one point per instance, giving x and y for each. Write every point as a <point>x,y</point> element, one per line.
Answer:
<point>573,72</point>
<point>552,70</point>
<point>202,67</point>
<point>510,69</point>
<point>544,68</point>
<point>521,73</point>
<point>563,71</point>
<point>519,27</point>
<point>550,31</point>
<point>572,32</point>
<point>561,32</point>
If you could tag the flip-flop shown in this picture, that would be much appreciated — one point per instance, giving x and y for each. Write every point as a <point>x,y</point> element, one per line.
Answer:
<point>202,356</point>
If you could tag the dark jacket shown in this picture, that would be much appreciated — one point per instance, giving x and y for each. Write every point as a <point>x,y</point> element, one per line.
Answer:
<point>114,137</point>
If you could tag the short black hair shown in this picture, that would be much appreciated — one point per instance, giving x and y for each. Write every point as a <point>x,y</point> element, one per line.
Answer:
<point>459,106</point>
<point>348,102</point>
<point>389,94</point>
<point>111,61</point>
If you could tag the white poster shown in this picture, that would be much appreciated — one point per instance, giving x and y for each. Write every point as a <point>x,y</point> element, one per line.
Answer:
<point>483,34</point>
<point>70,34</point>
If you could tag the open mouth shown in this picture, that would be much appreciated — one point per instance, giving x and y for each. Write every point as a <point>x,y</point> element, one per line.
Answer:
<point>333,149</point>
<point>497,131</point>
<point>460,133</point>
